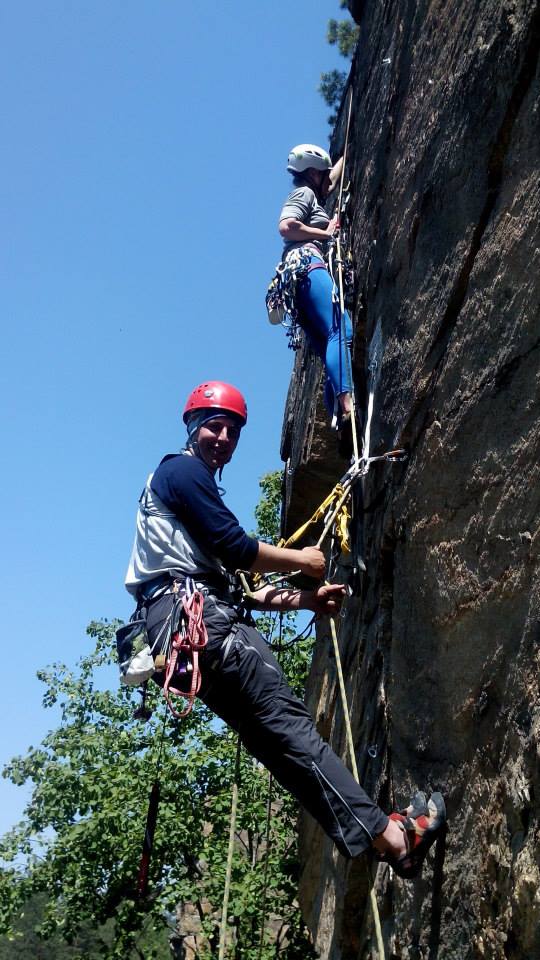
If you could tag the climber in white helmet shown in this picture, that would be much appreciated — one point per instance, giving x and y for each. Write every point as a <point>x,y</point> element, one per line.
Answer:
<point>305,225</point>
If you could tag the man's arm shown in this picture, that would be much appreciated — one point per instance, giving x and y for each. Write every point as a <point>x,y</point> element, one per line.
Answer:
<point>269,559</point>
<point>324,601</point>
<point>335,174</point>
<point>296,231</point>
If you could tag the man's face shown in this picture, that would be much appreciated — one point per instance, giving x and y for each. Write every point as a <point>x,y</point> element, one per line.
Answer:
<point>217,441</point>
<point>324,183</point>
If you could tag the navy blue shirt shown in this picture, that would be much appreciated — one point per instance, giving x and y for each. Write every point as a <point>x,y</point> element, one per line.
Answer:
<point>186,485</point>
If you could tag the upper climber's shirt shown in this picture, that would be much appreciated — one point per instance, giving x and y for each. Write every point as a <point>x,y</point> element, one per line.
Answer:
<point>183,525</point>
<point>302,205</point>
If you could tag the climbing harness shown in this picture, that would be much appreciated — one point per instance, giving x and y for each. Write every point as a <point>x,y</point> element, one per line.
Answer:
<point>282,289</point>
<point>174,652</point>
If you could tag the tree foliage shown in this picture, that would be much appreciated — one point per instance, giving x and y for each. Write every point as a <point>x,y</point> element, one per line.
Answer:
<point>343,34</point>
<point>332,86</point>
<point>78,846</point>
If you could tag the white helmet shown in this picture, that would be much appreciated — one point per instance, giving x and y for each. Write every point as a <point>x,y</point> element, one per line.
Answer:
<point>308,156</point>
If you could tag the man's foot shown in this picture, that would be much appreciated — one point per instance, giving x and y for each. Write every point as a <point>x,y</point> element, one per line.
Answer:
<point>422,823</point>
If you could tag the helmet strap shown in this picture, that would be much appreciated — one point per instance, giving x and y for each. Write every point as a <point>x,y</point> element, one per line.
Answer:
<point>192,446</point>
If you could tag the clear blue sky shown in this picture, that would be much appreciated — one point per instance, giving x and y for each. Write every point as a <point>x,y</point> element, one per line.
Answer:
<point>144,151</point>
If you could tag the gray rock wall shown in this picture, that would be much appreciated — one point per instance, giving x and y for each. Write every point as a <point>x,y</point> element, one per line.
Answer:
<point>441,650</point>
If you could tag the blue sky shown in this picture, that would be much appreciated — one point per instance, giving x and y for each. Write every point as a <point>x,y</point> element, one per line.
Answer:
<point>144,152</point>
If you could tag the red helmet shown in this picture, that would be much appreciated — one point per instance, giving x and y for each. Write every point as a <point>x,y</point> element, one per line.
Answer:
<point>216,395</point>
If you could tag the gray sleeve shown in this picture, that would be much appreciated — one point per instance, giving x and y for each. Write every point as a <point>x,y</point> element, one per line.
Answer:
<point>299,205</point>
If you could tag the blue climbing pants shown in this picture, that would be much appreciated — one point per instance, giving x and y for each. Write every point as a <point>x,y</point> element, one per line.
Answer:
<point>320,318</point>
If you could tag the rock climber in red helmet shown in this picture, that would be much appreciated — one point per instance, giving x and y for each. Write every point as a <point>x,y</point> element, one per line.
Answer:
<point>187,538</point>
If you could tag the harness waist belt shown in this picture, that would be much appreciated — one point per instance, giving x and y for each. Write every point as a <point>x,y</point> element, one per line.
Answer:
<point>163,584</point>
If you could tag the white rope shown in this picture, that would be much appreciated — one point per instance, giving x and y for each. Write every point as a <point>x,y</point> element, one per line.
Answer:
<point>230,852</point>
<point>352,755</point>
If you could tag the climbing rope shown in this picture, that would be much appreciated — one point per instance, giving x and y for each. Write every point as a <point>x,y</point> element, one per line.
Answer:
<point>230,853</point>
<point>339,261</point>
<point>268,817</point>
<point>350,746</point>
<point>333,509</point>
<point>266,864</point>
<point>151,821</point>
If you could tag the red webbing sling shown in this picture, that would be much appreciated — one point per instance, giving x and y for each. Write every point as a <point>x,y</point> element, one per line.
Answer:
<point>188,640</point>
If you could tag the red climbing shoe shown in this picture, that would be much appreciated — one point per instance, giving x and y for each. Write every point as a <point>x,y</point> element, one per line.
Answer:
<point>422,824</point>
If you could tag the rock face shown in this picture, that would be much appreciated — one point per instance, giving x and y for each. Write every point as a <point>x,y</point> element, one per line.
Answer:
<point>441,649</point>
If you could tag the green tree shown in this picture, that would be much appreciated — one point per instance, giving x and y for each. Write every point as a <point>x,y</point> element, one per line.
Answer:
<point>78,845</point>
<point>343,34</point>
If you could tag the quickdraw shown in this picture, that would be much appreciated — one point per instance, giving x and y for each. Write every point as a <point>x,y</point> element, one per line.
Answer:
<point>333,506</point>
<point>345,261</point>
<point>334,511</point>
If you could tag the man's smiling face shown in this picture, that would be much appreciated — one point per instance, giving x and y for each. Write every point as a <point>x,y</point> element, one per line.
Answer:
<point>217,440</point>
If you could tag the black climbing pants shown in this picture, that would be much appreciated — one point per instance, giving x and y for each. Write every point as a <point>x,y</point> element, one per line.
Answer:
<point>244,685</point>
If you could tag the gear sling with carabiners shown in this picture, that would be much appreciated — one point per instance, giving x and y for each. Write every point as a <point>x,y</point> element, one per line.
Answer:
<point>181,659</point>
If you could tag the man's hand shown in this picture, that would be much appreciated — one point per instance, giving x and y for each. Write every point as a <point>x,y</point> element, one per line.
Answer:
<point>333,226</point>
<point>326,600</point>
<point>311,562</point>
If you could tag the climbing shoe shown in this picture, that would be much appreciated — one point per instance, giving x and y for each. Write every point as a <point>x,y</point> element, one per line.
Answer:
<point>423,823</point>
<point>345,443</point>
